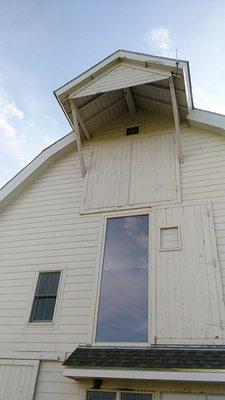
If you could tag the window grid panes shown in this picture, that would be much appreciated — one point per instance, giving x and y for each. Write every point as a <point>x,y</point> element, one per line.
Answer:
<point>45,297</point>
<point>95,395</point>
<point>103,395</point>
<point>123,304</point>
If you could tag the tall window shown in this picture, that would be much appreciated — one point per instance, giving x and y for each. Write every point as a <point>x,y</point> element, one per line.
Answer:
<point>45,297</point>
<point>123,306</point>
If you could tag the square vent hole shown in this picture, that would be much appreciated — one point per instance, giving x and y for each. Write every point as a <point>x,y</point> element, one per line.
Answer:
<point>132,130</point>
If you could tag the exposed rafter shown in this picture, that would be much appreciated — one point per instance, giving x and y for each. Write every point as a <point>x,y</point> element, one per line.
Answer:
<point>129,100</point>
<point>158,102</point>
<point>164,88</point>
<point>104,110</point>
<point>77,137</point>
<point>176,116</point>
<point>97,97</point>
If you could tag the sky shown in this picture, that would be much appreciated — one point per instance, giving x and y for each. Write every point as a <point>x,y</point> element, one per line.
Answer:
<point>46,43</point>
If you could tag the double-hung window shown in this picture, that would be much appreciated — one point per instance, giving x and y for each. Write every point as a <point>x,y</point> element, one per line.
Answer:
<point>45,297</point>
<point>123,304</point>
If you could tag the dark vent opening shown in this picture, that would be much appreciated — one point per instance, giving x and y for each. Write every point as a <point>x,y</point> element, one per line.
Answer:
<point>132,130</point>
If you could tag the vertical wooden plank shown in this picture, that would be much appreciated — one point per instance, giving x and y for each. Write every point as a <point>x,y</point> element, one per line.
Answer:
<point>18,379</point>
<point>188,297</point>
<point>153,170</point>
<point>108,180</point>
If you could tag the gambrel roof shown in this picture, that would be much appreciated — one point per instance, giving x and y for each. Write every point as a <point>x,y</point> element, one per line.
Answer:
<point>122,83</point>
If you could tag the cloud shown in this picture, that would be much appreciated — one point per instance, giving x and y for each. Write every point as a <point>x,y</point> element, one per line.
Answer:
<point>10,113</point>
<point>24,131</point>
<point>160,42</point>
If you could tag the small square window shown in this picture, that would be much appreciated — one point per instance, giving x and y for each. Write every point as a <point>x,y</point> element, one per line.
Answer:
<point>132,130</point>
<point>170,238</point>
<point>45,297</point>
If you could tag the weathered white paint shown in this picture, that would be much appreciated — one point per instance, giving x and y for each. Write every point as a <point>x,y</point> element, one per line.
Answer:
<point>186,293</point>
<point>132,170</point>
<point>119,78</point>
<point>51,384</point>
<point>163,64</point>
<point>42,229</point>
<point>33,166</point>
<point>18,379</point>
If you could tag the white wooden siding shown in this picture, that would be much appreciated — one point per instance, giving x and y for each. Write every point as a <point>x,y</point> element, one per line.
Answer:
<point>187,396</point>
<point>203,177</point>
<point>120,77</point>
<point>108,175</point>
<point>51,384</point>
<point>18,379</point>
<point>153,170</point>
<point>131,171</point>
<point>42,229</point>
<point>187,284</point>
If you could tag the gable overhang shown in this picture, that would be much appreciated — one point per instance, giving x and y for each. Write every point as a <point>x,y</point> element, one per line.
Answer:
<point>125,83</point>
<point>100,94</point>
<point>182,375</point>
<point>195,117</point>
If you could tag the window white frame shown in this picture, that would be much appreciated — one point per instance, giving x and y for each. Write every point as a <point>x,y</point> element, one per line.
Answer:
<point>48,324</point>
<point>151,282</point>
<point>118,392</point>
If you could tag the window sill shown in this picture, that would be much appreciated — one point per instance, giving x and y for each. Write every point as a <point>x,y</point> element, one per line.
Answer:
<point>41,325</point>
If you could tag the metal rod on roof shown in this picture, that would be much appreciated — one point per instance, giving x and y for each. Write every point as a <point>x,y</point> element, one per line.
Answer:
<point>176,116</point>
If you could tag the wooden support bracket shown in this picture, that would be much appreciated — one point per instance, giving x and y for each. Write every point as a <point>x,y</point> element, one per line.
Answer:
<point>129,100</point>
<point>77,137</point>
<point>82,124</point>
<point>176,117</point>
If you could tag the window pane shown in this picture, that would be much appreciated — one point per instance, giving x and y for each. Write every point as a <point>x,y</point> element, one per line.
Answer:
<point>101,395</point>
<point>39,309</point>
<point>123,308</point>
<point>49,308</point>
<point>53,283</point>
<point>135,396</point>
<point>43,282</point>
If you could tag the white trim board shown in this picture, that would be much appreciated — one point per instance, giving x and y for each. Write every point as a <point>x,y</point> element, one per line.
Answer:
<point>134,56</point>
<point>36,163</point>
<point>181,375</point>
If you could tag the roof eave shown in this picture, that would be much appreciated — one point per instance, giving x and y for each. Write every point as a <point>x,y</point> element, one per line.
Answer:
<point>154,375</point>
<point>167,62</point>
<point>207,119</point>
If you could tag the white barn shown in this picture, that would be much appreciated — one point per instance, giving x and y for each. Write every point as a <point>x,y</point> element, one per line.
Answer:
<point>112,249</point>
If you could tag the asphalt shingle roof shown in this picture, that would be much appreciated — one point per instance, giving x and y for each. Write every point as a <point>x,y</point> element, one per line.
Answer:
<point>146,358</point>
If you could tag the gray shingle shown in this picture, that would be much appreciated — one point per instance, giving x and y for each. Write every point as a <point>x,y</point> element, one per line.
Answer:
<point>148,358</point>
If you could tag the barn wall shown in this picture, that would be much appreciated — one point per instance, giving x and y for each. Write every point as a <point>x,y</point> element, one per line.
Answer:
<point>42,229</point>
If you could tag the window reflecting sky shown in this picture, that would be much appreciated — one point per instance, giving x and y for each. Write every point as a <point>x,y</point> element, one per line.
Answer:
<point>123,308</point>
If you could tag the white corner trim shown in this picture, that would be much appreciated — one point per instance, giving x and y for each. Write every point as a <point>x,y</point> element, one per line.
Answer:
<point>198,376</point>
<point>44,156</point>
